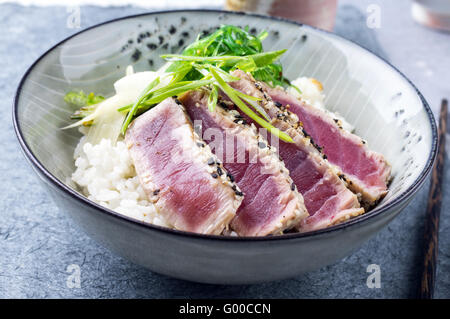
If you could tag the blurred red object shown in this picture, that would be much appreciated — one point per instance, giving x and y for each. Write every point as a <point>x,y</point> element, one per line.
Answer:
<point>318,13</point>
<point>432,13</point>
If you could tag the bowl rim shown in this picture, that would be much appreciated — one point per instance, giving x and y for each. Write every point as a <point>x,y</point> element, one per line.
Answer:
<point>332,229</point>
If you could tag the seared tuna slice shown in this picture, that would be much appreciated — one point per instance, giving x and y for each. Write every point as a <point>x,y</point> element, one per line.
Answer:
<point>173,165</point>
<point>271,204</point>
<point>326,197</point>
<point>366,171</point>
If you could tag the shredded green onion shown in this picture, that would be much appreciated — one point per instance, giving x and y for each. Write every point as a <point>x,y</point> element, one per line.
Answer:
<point>208,62</point>
<point>244,108</point>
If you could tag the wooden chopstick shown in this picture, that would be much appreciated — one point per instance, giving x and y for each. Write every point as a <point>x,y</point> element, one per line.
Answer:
<point>430,251</point>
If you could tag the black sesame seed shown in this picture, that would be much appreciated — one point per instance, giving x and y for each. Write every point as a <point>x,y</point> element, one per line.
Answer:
<point>172,29</point>
<point>178,102</point>
<point>156,192</point>
<point>211,161</point>
<point>150,62</point>
<point>292,186</point>
<point>130,41</point>
<point>278,104</point>
<point>252,31</point>
<point>214,175</point>
<point>238,193</point>
<point>231,177</point>
<point>223,105</point>
<point>181,42</point>
<point>151,46</point>
<point>304,37</point>
<point>262,145</point>
<point>234,188</point>
<point>219,171</point>
<point>136,55</point>
<point>165,46</point>
<point>324,156</point>
<point>200,145</point>
<point>185,34</point>
<point>161,39</point>
<point>183,19</point>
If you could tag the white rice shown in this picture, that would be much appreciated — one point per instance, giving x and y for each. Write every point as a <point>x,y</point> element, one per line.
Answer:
<point>105,174</point>
<point>311,92</point>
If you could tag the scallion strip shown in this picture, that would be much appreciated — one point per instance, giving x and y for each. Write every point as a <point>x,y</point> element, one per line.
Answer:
<point>163,93</point>
<point>135,106</point>
<point>212,98</point>
<point>244,108</point>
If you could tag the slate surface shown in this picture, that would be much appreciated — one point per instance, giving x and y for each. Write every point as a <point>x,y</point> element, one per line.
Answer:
<point>38,243</point>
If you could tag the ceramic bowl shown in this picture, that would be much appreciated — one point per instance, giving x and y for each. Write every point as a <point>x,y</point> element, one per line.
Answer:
<point>384,106</point>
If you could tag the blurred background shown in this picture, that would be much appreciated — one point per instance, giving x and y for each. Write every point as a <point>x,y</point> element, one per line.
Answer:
<point>37,242</point>
<point>413,34</point>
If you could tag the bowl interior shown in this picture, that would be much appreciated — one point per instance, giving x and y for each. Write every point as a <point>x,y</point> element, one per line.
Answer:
<point>384,107</point>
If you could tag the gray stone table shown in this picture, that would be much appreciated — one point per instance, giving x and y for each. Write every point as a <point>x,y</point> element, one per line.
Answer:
<point>37,242</point>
